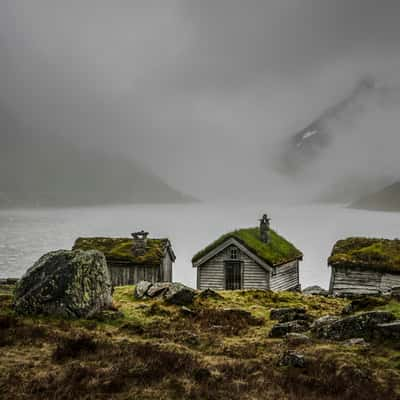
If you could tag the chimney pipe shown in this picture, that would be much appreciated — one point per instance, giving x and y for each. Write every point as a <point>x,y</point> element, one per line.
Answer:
<point>264,228</point>
<point>139,242</point>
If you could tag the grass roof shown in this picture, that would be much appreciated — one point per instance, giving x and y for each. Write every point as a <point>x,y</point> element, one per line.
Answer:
<point>277,251</point>
<point>368,253</point>
<point>119,250</point>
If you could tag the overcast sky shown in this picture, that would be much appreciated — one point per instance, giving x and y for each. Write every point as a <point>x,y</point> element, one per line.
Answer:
<point>202,92</point>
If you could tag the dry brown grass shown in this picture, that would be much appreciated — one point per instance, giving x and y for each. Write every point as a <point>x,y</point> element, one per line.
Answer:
<point>156,352</point>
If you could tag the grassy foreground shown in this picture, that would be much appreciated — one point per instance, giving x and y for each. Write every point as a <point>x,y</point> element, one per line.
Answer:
<point>145,349</point>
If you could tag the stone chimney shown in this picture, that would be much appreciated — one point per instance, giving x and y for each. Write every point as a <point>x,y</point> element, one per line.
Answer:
<point>264,228</point>
<point>139,243</point>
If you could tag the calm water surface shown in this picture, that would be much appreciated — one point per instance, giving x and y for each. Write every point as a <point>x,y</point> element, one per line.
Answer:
<point>27,234</point>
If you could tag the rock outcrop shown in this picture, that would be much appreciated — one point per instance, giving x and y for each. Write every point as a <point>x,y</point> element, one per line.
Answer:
<point>390,330</point>
<point>173,292</point>
<point>288,314</point>
<point>179,294</point>
<point>358,326</point>
<point>292,359</point>
<point>141,289</point>
<point>64,283</point>
<point>283,328</point>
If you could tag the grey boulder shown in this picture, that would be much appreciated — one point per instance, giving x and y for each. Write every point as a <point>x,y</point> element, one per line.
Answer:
<point>141,289</point>
<point>179,294</point>
<point>172,292</point>
<point>158,289</point>
<point>65,283</point>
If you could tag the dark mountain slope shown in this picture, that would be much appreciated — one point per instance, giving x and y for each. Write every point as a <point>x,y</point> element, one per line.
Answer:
<point>52,172</point>
<point>387,199</point>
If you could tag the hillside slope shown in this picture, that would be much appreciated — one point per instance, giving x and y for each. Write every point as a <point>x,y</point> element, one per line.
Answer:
<point>38,171</point>
<point>387,199</point>
<point>218,349</point>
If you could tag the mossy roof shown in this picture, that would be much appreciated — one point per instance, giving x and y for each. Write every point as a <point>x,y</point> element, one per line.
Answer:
<point>276,252</point>
<point>119,250</point>
<point>368,253</point>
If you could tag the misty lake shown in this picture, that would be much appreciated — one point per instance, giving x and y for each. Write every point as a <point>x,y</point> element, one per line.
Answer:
<point>27,234</point>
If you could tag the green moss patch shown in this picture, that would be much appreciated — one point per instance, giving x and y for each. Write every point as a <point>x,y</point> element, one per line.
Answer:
<point>119,250</point>
<point>277,251</point>
<point>367,253</point>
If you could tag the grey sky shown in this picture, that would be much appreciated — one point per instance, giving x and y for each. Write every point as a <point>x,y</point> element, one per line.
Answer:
<point>201,92</point>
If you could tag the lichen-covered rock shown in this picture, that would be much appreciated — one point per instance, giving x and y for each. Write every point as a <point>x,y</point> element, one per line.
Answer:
<point>283,328</point>
<point>179,294</point>
<point>141,289</point>
<point>158,289</point>
<point>357,326</point>
<point>65,283</point>
<point>321,325</point>
<point>315,290</point>
<point>288,314</point>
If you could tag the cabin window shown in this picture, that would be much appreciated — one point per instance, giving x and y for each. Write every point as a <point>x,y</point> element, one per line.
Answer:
<point>234,253</point>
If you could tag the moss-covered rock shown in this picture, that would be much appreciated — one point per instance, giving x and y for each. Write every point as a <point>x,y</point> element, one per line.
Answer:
<point>65,283</point>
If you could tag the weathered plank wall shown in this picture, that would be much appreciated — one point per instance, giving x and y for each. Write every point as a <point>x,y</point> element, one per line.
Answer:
<point>212,273</point>
<point>360,281</point>
<point>285,277</point>
<point>122,275</point>
<point>254,276</point>
<point>167,269</point>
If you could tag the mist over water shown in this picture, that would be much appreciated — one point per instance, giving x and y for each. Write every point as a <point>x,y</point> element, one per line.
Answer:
<point>203,95</point>
<point>154,101</point>
<point>27,234</point>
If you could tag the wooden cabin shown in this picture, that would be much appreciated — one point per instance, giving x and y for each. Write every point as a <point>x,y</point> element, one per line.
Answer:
<point>364,266</point>
<point>132,260</point>
<point>252,258</point>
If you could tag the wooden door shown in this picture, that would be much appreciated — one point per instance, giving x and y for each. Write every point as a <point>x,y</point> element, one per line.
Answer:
<point>233,275</point>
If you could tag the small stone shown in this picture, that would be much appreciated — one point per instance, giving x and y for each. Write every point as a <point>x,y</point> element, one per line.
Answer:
<point>356,342</point>
<point>187,311</point>
<point>292,359</point>
<point>283,328</point>
<point>315,290</point>
<point>209,293</point>
<point>288,314</point>
<point>297,338</point>
<point>141,289</point>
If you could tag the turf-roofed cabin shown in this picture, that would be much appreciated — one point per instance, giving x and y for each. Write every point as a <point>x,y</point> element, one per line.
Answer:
<point>131,261</point>
<point>364,266</point>
<point>253,258</point>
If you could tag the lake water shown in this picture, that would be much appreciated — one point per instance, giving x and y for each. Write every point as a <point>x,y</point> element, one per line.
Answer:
<point>27,234</point>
